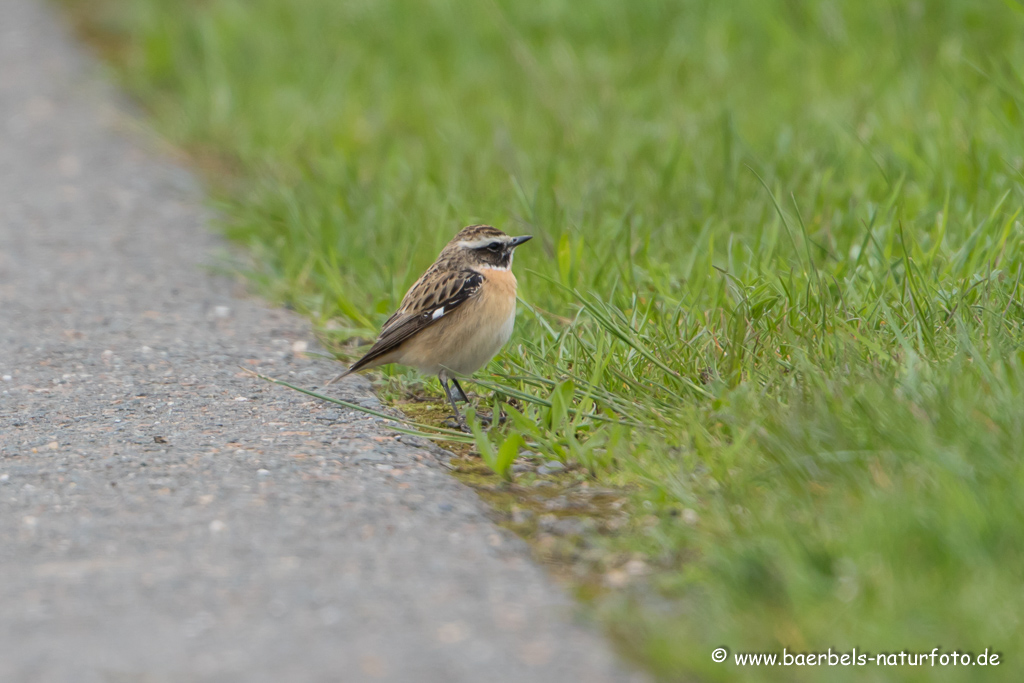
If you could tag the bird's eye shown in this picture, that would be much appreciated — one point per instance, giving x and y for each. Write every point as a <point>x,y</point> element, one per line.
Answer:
<point>494,246</point>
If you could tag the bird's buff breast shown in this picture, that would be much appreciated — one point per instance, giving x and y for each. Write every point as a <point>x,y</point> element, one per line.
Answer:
<point>474,334</point>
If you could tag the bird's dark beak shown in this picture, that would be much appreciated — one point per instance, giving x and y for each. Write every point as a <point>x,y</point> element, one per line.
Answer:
<point>516,241</point>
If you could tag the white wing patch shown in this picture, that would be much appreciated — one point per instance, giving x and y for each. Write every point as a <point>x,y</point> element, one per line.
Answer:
<point>437,314</point>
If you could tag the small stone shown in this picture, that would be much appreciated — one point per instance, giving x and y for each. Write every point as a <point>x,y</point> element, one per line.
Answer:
<point>635,568</point>
<point>262,472</point>
<point>241,398</point>
<point>222,311</point>
<point>299,347</point>
<point>53,445</point>
<point>615,523</point>
<point>616,578</point>
<point>556,503</point>
<point>550,468</point>
<point>7,378</point>
<point>521,516</point>
<point>217,526</point>
<point>5,477</point>
<point>691,517</point>
<point>568,526</point>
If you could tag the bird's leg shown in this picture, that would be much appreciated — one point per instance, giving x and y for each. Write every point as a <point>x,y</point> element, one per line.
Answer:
<point>451,399</point>
<point>484,418</point>
<point>448,392</point>
<point>462,393</point>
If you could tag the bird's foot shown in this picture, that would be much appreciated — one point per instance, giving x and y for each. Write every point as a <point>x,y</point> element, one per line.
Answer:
<point>457,422</point>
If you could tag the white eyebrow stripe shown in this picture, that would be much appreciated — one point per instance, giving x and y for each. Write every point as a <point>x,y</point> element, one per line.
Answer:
<point>482,242</point>
<point>437,314</point>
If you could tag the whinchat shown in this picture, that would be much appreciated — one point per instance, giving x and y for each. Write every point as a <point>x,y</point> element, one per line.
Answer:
<point>457,316</point>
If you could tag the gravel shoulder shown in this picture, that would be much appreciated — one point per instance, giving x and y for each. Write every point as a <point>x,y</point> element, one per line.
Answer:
<point>164,516</point>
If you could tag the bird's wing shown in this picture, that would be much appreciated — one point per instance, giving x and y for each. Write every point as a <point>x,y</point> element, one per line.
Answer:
<point>433,297</point>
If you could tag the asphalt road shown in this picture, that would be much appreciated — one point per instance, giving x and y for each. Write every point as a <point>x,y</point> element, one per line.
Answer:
<point>163,515</point>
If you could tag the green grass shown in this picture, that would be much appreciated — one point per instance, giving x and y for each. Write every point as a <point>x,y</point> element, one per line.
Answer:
<point>776,286</point>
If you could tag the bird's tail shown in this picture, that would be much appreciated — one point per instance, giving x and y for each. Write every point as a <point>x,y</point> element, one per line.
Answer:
<point>343,375</point>
<point>367,361</point>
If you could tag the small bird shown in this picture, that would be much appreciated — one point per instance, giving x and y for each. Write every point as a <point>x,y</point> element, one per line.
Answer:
<point>457,316</point>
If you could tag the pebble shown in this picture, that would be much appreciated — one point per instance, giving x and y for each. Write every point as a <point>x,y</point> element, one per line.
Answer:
<point>550,468</point>
<point>521,516</point>
<point>616,578</point>
<point>367,457</point>
<point>635,568</point>
<point>262,472</point>
<point>562,526</point>
<point>556,503</point>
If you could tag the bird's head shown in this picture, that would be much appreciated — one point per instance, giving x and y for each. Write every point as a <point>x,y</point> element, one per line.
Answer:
<point>485,247</point>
